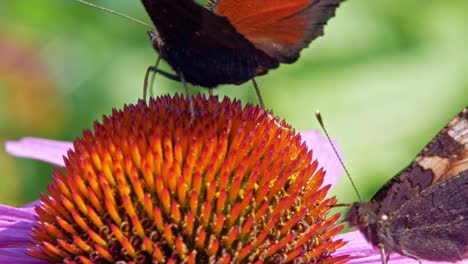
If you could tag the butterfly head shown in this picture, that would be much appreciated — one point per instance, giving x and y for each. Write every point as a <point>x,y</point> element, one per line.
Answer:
<point>156,40</point>
<point>358,215</point>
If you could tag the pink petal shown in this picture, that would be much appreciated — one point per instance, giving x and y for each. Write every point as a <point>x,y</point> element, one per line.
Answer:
<point>50,151</point>
<point>16,235</point>
<point>12,214</point>
<point>323,152</point>
<point>31,205</point>
<point>17,256</point>
<point>362,252</point>
<point>15,227</point>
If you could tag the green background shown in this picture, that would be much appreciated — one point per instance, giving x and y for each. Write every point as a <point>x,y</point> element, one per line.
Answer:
<point>387,76</point>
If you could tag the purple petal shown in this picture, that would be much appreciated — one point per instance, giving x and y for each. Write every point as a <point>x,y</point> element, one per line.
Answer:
<point>31,205</point>
<point>15,227</point>
<point>50,151</point>
<point>362,252</point>
<point>17,256</point>
<point>16,235</point>
<point>12,214</point>
<point>323,152</point>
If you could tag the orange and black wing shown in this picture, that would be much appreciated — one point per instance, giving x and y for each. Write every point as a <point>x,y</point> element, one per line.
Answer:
<point>281,28</point>
<point>203,46</point>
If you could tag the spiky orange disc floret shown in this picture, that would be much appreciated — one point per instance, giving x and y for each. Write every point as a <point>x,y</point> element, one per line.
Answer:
<point>151,186</point>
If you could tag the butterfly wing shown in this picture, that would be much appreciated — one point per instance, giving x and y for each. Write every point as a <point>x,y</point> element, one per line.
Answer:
<point>434,225</point>
<point>278,27</point>
<point>445,156</point>
<point>204,47</point>
<point>423,211</point>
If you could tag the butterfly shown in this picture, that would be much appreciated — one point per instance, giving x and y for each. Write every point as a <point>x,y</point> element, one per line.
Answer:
<point>422,212</point>
<point>233,41</point>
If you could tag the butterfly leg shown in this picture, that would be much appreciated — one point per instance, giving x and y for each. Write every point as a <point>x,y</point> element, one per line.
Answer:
<point>383,256</point>
<point>262,105</point>
<point>409,255</point>
<point>259,96</point>
<point>150,69</point>
<point>153,76</point>
<point>154,69</point>
<point>192,109</point>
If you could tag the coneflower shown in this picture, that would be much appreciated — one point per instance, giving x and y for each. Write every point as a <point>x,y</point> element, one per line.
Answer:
<point>152,184</point>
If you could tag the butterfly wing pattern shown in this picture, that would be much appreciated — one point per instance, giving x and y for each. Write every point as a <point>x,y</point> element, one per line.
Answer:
<point>219,45</point>
<point>279,28</point>
<point>434,224</point>
<point>423,211</point>
<point>203,47</point>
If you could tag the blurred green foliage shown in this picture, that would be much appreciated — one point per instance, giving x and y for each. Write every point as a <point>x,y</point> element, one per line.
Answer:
<point>387,76</point>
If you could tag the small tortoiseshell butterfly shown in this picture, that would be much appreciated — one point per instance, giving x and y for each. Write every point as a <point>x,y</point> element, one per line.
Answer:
<point>422,212</point>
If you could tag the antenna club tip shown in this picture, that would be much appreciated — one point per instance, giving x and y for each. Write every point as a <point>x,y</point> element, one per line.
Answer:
<point>318,115</point>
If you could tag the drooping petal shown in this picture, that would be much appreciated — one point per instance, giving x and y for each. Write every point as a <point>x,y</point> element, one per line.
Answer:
<point>15,227</point>
<point>17,256</point>
<point>51,151</point>
<point>362,252</point>
<point>323,151</point>
<point>12,214</point>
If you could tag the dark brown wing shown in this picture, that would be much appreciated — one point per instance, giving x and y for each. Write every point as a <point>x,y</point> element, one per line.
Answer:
<point>203,46</point>
<point>425,205</point>
<point>281,28</point>
<point>445,156</point>
<point>434,225</point>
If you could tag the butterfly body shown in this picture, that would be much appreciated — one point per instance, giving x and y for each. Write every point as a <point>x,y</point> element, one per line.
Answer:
<point>423,211</point>
<point>206,47</point>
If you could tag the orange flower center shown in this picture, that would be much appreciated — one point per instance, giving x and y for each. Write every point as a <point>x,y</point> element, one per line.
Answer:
<point>151,186</point>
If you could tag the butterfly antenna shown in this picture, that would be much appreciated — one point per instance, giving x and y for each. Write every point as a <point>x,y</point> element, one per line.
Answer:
<point>115,13</point>
<point>320,120</point>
